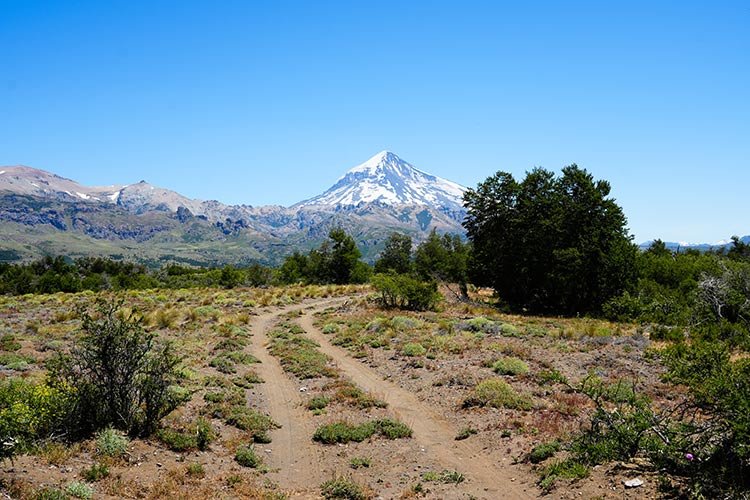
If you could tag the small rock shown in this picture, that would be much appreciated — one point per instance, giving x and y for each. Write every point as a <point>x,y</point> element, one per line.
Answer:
<point>158,464</point>
<point>303,389</point>
<point>633,483</point>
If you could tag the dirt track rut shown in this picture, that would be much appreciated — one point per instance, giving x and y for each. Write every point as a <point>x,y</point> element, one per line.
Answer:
<point>294,458</point>
<point>487,478</point>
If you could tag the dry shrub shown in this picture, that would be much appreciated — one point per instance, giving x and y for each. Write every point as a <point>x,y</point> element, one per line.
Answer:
<point>570,403</point>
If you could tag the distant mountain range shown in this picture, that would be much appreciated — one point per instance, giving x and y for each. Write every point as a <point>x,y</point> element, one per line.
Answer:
<point>42,213</point>
<point>702,247</point>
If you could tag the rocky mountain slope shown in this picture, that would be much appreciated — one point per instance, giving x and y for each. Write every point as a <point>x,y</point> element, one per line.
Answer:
<point>43,213</point>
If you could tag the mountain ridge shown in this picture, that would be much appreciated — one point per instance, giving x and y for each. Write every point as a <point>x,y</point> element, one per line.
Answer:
<point>44,213</point>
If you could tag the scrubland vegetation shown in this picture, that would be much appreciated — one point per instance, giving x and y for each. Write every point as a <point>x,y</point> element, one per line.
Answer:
<point>556,350</point>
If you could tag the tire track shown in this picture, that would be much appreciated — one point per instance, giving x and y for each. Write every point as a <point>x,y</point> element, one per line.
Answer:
<point>487,478</point>
<point>293,454</point>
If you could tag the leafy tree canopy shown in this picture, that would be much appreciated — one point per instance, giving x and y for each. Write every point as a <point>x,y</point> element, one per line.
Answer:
<point>549,244</point>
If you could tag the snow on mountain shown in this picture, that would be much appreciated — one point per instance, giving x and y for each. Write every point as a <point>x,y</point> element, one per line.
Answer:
<point>387,179</point>
<point>31,181</point>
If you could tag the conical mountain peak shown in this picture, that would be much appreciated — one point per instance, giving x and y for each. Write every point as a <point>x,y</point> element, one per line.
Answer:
<point>387,179</point>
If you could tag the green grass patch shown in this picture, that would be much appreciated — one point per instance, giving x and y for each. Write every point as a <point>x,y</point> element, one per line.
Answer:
<point>413,349</point>
<point>344,432</point>
<point>343,487</point>
<point>177,440</point>
<point>497,393</point>
<point>565,469</point>
<point>445,476</point>
<point>247,380</point>
<point>318,403</point>
<point>246,457</point>
<point>360,462</point>
<point>8,342</point>
<point>96,472</point>
<point>250,420</point>
<point>543,451</point>
<point>298,354</point>
<point>510,366</point>
<point>465,433</point>
<point>111,443</point>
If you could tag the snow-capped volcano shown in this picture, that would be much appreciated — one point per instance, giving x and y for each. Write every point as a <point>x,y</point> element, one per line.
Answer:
<point>385,178</point>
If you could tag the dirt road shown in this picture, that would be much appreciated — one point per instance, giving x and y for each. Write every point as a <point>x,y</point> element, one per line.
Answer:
<point>294,458</point>
<point>486,478</point>
<point>296,461</point>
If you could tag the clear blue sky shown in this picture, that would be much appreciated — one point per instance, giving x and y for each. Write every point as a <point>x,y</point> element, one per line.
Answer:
<point>269,102</point>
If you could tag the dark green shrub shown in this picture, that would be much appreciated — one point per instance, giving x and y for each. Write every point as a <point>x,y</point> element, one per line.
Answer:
<point>543,451</point>
<point>617,433</point>
<point>661,332</point>
<point>261,437</point>
<point>401,291</point>
<point>392,429</point>
<point>246,457</point>
<point>318,403</point>
<point>121,374</point>
<point>343,432</point>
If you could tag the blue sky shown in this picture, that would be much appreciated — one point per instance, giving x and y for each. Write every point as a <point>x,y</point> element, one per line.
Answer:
<point>269,102</point>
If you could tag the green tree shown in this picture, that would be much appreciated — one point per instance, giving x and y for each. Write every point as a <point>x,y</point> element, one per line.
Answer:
<point>344,256</point>
<point>549,244</point>
<point>230,277</point>
<point>336,260</point>
<point>293,269</point>
<point>739,250</point>
<point>443,259</point>
<point>396,255</point>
